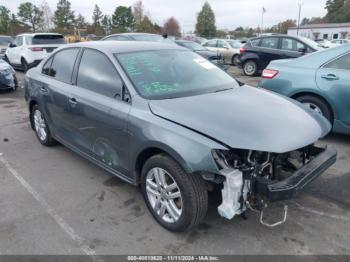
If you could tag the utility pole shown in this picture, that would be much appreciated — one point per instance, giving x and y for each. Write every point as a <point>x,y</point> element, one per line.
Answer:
<point>263,11</point>
<point>300,4</point>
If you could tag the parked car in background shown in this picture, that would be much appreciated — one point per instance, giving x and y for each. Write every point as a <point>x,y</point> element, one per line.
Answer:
<point>258,52</point>
<point>320,80</point>
<point>323,43</point>
<point>212,56</point>
<point>164,118</point>
<point>338,42</point>
<point>8,80</point>
<point>4,42</point>
<point>137,37</point>
<point>27,50</point>
<point>228,48</point>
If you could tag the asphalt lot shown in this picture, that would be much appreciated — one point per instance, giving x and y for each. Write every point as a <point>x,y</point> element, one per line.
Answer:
<point>53,201</point>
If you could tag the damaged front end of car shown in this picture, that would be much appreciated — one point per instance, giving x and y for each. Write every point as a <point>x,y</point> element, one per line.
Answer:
<point>254,179</point>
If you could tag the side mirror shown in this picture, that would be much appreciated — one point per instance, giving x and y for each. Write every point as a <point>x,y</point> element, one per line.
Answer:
<point>302,50</point>
<point>11,45</point>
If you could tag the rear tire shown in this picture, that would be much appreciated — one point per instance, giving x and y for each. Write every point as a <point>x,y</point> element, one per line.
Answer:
<point>192,203</point>
<point>25,66</point>
<point>6,59</point>
<point>250,68</point>
<point>41,127</point>
<point>235,60</point>
<point>317,105</point>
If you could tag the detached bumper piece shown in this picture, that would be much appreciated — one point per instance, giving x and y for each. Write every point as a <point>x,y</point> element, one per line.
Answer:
<point>289,187</point>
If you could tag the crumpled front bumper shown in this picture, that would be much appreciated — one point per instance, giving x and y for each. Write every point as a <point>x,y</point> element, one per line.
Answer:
<point>289,187</point>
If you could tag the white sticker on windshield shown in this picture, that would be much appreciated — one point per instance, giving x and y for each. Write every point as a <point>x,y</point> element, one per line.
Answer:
<point>204,63</point>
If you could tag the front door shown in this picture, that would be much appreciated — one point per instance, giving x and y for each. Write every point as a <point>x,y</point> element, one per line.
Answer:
<point>99,114</point>
<point>291,48</point>
<point>334,79</point>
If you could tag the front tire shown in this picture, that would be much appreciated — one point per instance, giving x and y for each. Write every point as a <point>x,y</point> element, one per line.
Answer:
<point>250,68</point>
<point>41,127</point>
<point>318,105</point>
<point>177,200</point>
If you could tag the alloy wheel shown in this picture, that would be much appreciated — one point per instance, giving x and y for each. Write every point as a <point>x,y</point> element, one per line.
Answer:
<point>250,68</point>
<point>40,125</point>
<point>164,195</point>
<point>314,107</point>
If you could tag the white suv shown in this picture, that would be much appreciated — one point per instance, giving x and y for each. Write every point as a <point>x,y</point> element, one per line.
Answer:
<point>27,50</point>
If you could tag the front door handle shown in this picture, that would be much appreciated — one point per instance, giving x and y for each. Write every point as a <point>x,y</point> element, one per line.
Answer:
<point>330,77</point>
<point>43,90</point>
<point>73,101</point>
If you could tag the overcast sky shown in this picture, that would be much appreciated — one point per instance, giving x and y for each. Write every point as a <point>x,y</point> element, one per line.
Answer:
<point>229,13</point>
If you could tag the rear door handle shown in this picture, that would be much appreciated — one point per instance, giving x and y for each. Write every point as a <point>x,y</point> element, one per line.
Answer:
<point>73,101</point>
<point>330,77</point>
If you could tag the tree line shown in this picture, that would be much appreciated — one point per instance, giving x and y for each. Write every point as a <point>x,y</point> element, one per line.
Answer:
<point>136,18</point>
<point>30,17</point>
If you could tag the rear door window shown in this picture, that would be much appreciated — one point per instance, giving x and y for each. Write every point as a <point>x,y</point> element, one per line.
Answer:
<point>63,65</point>
<point>98,74</point>
<point>340,63</point>
<point>270,42</point>
<point>255,42</point>
<point>47,40</point>
<point>211,43</point>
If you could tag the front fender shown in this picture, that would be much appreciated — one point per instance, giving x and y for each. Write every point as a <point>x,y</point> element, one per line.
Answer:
<point>189,148</point>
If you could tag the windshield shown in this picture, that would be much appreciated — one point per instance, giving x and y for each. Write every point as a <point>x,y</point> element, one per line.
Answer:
<point>165,74</point>
<point>151,38</point>
<point>48,39</point>
<point>311,43</point>
<point>193,46</point>
<point>5,40</point>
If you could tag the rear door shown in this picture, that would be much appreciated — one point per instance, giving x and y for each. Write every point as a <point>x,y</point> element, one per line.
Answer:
<point>269,50</point>
<point>100,112</point>
<point>224,49</point>
<point>211,45</point>
<point>292,48</point>
<point>55,92</point>
<point>334,79</point>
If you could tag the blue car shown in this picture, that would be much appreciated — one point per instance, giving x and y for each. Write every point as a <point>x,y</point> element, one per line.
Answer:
<point>319,80</point>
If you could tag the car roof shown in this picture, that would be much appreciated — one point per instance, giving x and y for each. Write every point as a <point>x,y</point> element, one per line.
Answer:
<point>131,34</point>
<point>113,47</point>
<point>34,34</point>
<point>316,59</point>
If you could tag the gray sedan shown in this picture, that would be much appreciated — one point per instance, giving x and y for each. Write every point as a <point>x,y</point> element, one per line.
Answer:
<point>163,118</point>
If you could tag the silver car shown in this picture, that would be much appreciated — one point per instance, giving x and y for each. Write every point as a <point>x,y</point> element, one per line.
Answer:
<point>166,119</point>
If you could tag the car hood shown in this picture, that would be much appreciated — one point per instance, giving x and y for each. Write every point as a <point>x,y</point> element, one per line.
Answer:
<point>246,118</point>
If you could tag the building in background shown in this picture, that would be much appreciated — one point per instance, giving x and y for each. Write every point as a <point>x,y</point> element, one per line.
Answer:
<point>322,31</point>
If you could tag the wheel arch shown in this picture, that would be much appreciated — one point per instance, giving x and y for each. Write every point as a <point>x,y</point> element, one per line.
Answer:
<point>155,149</point>
<point>326,101</point>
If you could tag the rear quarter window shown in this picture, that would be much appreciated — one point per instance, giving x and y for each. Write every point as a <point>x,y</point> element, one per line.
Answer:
<point>340,63</point>
<point>63,64</point>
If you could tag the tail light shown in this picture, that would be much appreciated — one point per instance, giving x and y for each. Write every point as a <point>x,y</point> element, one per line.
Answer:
<point>36,49</point>
<point>269,73</point>
<point>242,50</point>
